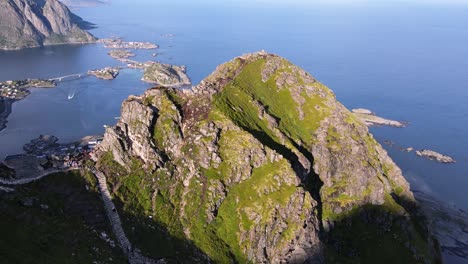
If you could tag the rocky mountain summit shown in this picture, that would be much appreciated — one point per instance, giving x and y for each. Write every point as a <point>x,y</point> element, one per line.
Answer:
<point>259,163</point>
<point>33,23</point>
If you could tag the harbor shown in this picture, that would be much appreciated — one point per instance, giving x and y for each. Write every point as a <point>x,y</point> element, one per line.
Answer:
<point>17,89</point>
<point>118,43</point>
<point>45,154</point>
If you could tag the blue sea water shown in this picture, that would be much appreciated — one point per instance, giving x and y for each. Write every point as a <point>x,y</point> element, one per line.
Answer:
<point>404,61</point>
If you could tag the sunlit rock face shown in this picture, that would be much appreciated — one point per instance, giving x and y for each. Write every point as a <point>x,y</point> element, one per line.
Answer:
<point>28,23</point>
<point>260,163</point>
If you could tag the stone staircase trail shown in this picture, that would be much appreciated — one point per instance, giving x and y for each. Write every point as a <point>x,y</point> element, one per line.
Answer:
<point>133,254</point>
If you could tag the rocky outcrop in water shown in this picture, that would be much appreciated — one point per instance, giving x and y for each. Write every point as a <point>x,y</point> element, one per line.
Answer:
<point>107,73</point>
<point>370,119</point>
<point>120,54</point>
<point>432,155</point>
<point>29,23</point>
<point>166,74</point>
<point>260,163</point>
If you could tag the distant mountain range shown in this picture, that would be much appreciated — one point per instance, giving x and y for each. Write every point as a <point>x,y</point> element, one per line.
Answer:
<point>34,23</point>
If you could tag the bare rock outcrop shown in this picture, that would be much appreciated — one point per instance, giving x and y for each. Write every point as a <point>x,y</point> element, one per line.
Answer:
<point>166,74</point>
<point>432,155</point>
<point>370,119</point>
<point>260,163</point>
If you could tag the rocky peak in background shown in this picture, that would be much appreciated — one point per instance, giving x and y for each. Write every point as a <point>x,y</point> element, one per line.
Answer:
<point>33,23</point>
<point>260,163</point>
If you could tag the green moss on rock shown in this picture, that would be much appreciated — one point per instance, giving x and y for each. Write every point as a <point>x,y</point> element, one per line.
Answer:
<point>250,163</point>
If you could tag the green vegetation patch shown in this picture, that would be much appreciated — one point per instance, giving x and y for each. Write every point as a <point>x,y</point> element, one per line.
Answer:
<point>167,218</point>
<point>278,102</point>
<point>149,208</point>
<point>166,125</point>
<point>252,202</point>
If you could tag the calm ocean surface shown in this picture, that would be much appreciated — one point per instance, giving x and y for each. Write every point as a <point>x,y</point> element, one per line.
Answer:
<point>406,63</point>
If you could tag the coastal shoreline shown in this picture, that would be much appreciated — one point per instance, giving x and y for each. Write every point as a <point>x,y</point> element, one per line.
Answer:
<point>448,223</point>
<point>108,73</point>
<point>45,153</point>
<point>5,111</point>
<point>48,45</point>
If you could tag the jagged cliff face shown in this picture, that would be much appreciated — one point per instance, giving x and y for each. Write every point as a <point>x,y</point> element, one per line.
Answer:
<point>33,23</point>
<point>259,163</point>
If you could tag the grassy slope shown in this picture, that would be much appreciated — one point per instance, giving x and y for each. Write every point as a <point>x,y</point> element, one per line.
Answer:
<point>236,101</point>
<point>160,236</point>
<point>372,244</point>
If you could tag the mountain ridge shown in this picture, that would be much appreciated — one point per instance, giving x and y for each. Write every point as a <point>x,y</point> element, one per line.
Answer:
<point>260,163</point>
<point>35,23</point>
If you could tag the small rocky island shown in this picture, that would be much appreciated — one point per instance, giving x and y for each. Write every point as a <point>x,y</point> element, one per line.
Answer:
<point>107,73</point>
<point>432,155</point>
<point>121,54</point>
<point>370,119</point>
<point>139,65</point>
<point>426,153</point>
<point>166,74</point>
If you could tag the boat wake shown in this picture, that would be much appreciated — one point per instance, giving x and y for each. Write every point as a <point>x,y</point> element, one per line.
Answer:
<point>71,94</point>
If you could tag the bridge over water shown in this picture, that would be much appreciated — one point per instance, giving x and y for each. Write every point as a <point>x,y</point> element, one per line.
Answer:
<point>75,76</point>
<point>69,77</point>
